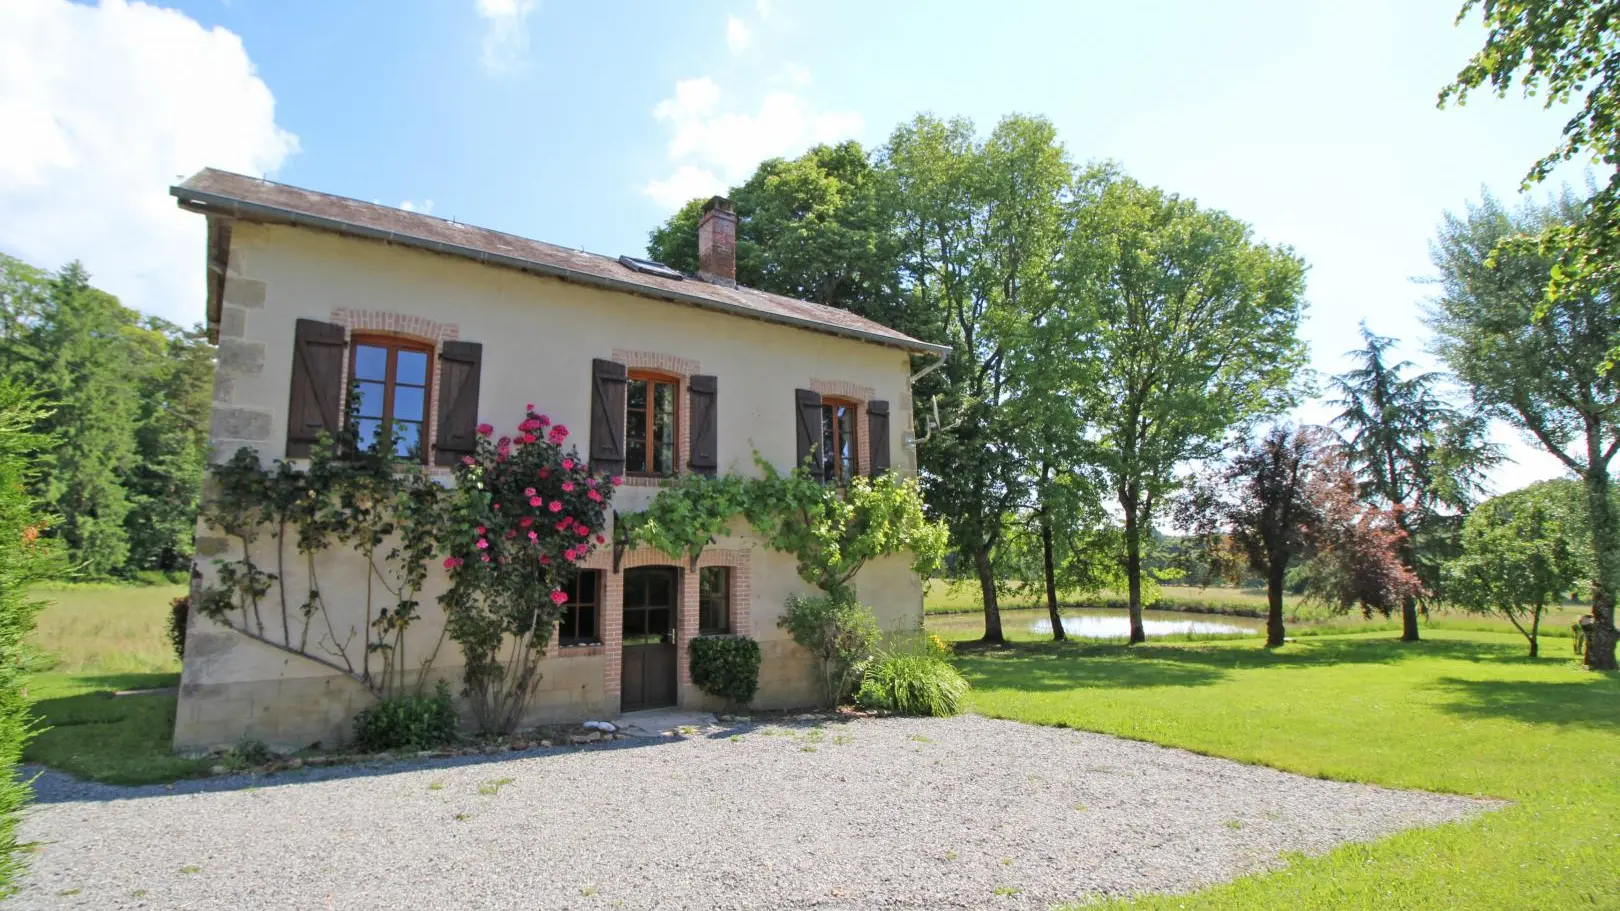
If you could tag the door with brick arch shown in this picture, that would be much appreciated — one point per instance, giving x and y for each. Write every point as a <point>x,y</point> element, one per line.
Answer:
<point>648,677</point>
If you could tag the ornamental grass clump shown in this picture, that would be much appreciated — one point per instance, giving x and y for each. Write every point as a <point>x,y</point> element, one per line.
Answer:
<point>912,683</point>
<point>525,514</point>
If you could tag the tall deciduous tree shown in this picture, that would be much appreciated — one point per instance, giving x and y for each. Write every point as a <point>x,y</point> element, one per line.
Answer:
<point>980,226</point>
<point>1520,554</point>
<point>1541,364</point>
<point>1196,334</point>
<point>1412,451</point>
<point>816,227</point>
<point>1267,501</point>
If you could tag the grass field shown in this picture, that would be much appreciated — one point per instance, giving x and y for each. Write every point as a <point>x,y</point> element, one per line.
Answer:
<point>1463,712</point>
<point>94,641</point>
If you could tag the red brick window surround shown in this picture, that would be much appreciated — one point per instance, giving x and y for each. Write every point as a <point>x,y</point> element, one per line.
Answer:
<point>393,379</point>
<point>680,370</point>
<point>842,391</point>
<point>406,329</point>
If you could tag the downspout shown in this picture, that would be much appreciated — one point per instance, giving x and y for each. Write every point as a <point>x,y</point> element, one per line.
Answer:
<point>915,440</point>
<point>930,368</point>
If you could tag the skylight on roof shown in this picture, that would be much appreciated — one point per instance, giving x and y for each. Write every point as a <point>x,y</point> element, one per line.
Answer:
<point>648,267</point>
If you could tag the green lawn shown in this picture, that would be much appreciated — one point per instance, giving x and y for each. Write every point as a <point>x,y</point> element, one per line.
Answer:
<point>1463,712</point>
<point>94,641</point>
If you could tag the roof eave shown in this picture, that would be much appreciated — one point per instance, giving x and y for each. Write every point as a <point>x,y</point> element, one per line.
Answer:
<point>217,204</point>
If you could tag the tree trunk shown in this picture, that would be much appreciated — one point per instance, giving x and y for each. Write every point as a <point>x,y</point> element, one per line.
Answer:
<point>1409,620</point>
<point>1133,568</point>
<point>987,587</point>
<point>1274,606</point>
<point>1535,628</point>
<point>1058,634</point>
<point>1600,639</point>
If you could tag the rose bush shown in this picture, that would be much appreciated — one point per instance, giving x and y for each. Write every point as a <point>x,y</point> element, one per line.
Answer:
<point>524,515</point>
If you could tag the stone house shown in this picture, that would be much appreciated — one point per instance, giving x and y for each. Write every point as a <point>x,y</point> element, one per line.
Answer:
<point>454,326</point>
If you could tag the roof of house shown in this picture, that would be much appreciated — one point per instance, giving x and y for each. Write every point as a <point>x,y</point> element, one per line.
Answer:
<point>236,196</point>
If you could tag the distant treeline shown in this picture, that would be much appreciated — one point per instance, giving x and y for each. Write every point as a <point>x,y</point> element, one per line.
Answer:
<point>126,430</point>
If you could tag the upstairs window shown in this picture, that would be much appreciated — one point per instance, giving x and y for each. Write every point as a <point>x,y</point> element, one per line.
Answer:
<point>391,379</point>
<point>577,625</point>
<point>838,442</point>
<point>650,416</point>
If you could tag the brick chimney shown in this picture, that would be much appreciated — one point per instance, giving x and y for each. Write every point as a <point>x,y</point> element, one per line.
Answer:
<point>717,243</point>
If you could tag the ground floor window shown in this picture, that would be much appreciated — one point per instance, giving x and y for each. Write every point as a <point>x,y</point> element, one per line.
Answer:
<point>714,600</point>
<point>578,624</point>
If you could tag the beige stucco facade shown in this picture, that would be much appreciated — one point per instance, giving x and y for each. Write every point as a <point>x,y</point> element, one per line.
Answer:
<point>539,337</point>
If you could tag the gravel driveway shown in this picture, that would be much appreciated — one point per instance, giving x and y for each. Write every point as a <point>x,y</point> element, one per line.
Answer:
<point>879,813</point>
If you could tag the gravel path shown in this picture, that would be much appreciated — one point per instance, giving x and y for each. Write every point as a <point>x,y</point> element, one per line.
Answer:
<point>879,813</point>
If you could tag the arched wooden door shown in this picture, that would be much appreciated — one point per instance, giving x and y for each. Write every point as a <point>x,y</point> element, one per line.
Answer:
<point>648,677</point>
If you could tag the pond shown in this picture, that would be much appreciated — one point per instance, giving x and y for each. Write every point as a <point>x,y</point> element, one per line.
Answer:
<point>1102,623</point>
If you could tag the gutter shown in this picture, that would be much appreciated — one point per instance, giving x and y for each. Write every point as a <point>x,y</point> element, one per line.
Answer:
<point>215,204</point>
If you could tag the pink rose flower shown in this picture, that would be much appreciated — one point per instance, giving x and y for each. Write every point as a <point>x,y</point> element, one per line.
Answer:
<point>525,521</point>
<point>545,473</point>
<point>536,501</point>
<point>528,491</point>
<point>485,430</point>
<point>590,482</point>
<point>534,536</point>
<point>528,438</point>
<point>616,480</point>
<point>483,544</point>
<point>568,464</point>
<point>582,531</point>
<point>468,460</point>
<point>485,558</point>
<point>566,521</point>
<point>529,407</point>
<point>449,562</point>
<point>568,486</point>
<point>595,497</point>
<point>543,420</point>
<point>556,505</point>
<point>480,529</point>
<point>558,596</point>
<point>601,540</point>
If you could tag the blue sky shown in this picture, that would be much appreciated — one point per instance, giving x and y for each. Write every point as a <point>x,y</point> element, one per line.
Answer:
<point>582,124</point>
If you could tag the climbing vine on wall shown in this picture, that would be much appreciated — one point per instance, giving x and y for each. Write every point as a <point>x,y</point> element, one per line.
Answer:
<point>831,532</point>
<point>360,497</point>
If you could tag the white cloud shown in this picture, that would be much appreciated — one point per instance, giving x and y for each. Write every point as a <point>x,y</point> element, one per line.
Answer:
<point>425,206</point>
<point>736,35</point>
<point>687,182</point>
<point>795,74</point>
<point>506,33</point>
<point>711,147</point>
<point>104,108</point>
<point>764,8</point>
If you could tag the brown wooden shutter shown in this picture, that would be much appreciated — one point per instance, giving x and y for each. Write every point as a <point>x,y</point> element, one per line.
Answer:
<point>703,433</point>
<point>608,379</point>
<point>807,407</point>
<point>877,435</point>
<point>317,384</point>
<point>461,363</point>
